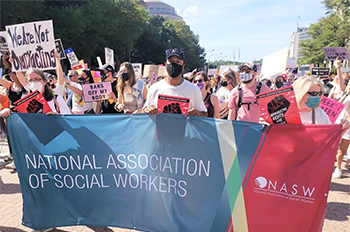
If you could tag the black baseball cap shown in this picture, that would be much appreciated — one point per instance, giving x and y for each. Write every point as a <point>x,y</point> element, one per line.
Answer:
<point>175,52</point>
<point>107,67</point>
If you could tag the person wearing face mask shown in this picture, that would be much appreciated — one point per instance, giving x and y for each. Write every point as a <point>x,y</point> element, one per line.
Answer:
<point>211,101</point>
<point>229,81</point>
<point>308,94</point>
<point>280,81</point>
<point>175,85</point>
<point>132,92</point>
<point>107,106</point>
<point>242,103</point>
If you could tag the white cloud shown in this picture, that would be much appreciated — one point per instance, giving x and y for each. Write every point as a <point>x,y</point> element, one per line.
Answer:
<point>191,11</point>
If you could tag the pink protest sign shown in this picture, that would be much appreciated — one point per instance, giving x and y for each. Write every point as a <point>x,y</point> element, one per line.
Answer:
<point>96,91</point>
<point>332,108</point>
<point>336,53</point>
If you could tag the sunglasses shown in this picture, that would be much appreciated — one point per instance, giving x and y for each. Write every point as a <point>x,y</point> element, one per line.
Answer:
<point>245,70</point>
<point>199,81</point>
<point>71,76</point>
<point>315,93</point>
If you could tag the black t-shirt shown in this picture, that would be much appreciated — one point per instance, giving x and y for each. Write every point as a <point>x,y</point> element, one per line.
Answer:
<point>108,108</point>
<point>15,96</point>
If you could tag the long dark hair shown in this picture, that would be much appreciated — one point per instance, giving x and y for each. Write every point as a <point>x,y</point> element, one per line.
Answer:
<point>47,94</point>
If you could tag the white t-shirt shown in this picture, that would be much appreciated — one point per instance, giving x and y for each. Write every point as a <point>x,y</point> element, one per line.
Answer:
<point>320,117</point>
<point>63,108</point>
<point>79,106</point>
<point>223,94</point>
<point>185,89</point>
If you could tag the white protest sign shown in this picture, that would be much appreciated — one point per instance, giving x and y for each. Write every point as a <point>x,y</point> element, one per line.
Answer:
<point>333,53</point>
<point>32,45</point>
<point>212,72</point>
<point>224,68</point>
<point>99,62</point>
<point>96,91</point>
<point>274,63</point>
<point>137,69</point>
<point>3,42</point>
<point>73,60</point>
<point>109,56</point>
<point>162,71</point>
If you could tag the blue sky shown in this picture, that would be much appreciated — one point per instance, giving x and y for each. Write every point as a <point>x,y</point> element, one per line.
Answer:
<point>255,27</point>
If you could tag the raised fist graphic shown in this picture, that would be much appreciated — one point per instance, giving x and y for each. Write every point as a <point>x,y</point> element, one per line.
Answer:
<point>173,108</point>
<point>34,107</point>
<point>277,107</point>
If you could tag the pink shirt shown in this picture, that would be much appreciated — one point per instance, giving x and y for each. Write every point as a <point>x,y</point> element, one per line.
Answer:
<point>248,95</point>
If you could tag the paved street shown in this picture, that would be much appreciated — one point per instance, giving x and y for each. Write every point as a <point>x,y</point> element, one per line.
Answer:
<point>337,215</point>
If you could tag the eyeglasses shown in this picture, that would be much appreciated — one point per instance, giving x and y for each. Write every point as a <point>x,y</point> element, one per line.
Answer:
<point>71,76</point>
<point>315,93</point>
<point>34,80</point>
<point>199,81</point>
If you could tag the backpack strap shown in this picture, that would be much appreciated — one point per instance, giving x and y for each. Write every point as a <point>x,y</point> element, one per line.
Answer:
<point>239,89</point>
<point>258,87</point>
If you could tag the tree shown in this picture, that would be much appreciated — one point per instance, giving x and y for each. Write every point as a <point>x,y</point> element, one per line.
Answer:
<point>331,31</point>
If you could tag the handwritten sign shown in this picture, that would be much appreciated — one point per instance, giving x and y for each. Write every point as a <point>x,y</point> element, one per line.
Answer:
<point>32,45</point>
<point>109,56</point>
<point>3,42</point>
<point>73,60</point>
<point>332,108</point>
<point>149,69</point>
<point>336,53</point>
<point>60,49</point>
<point>137,69</point>
<point>97,91</point>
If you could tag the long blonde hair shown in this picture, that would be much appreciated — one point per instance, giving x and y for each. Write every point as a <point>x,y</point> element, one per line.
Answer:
<point>121,84</point>
<point>302,85</point>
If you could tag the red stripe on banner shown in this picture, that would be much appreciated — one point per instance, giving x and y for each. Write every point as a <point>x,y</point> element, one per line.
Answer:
<point>288,185</point>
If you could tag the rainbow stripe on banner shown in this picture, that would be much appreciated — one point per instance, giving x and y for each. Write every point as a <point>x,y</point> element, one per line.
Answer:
<point>172,173</point>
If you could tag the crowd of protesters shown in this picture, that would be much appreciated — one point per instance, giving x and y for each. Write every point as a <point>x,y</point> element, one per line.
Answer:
<point>231,95</point>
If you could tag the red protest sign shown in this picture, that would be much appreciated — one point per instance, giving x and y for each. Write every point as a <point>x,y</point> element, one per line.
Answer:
<point>279,106</point>
<point>172,104</point>
<point>332,108</point>
<point>32,103</point>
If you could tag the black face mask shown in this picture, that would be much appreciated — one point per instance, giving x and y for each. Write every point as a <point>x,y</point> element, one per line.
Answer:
<point>52,86</point>
<point>173,69</point>
<point>279,84</point>
<point>125,76</point>
<point>81,80</point>
<point>103,76</point>
<point>224,83</point>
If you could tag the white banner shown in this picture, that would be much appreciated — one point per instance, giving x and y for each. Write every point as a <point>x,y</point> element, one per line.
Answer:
<point>32,45</point>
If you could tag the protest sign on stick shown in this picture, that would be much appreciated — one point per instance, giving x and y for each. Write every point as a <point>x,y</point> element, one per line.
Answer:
<point>333,53</point>
<point>109,56</point>
<point>73,60</point>
<point>137,69</point>
<point>60,49</point>
<point>32,45</point>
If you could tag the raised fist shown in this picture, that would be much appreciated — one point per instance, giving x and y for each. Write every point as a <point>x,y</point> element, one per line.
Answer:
<point>34,107</point>
<point>277,107</point>
<point>173,108</point>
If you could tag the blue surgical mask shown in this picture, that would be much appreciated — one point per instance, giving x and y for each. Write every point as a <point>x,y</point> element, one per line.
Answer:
<point>312,101</point>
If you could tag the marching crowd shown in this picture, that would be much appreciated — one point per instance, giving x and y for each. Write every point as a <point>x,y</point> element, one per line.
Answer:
<point>231,95</point>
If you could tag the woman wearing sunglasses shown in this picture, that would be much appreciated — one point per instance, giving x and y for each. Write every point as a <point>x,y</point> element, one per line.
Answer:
<point>211,101</point>
<point>308,94</point>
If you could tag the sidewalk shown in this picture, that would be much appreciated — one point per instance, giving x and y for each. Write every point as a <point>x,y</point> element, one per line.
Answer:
<point>337,214</point>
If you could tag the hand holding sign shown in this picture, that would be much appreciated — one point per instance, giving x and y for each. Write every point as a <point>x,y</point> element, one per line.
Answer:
<point>277,108</point>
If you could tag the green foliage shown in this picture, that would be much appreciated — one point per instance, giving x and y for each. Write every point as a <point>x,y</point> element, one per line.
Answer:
<point>331,31</point>
<point>122,25</point>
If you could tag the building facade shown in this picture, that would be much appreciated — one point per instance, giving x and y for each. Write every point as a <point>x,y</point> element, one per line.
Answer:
<point>299,34</point>
<point>159,8</point>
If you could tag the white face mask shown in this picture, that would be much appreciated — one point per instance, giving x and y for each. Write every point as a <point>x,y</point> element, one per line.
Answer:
<point>36,86</point>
